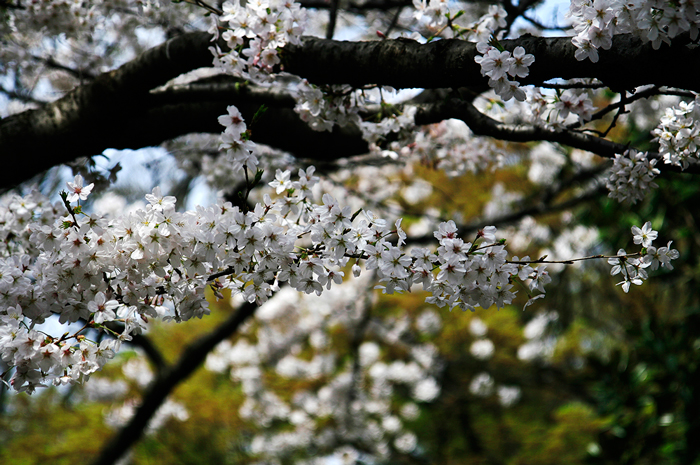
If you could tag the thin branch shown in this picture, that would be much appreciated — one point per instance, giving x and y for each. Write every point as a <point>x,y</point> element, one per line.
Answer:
<point>484,125</point>
<point>21,96</point>
<point>514,11</point>
<point>650,92</point>
<point>678,93</point>
<point>515,216</point>
<point>571,261</point>
<point>203,5</point>
<point>145,344</point>
<point>394,21</point>
<point>355,342</point>
<point>621,111</point>
<point>79,73</point>
<point>332,19</point>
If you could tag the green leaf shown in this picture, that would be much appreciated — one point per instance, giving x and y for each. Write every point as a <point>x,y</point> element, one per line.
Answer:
<point>258,177</point>
<point>258,114</point>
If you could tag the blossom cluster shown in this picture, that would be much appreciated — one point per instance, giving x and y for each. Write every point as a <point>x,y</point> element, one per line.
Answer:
<point>239,151</point>
<point>434,12</point>
<point>596,21</point>
<point>539,342</point>
<point>631,176</point>
<point>473,274</point>
<point>341,105</point>
<point>487,25</point>
<point>79,37</point>
<point>633,269</point>
<point>436,16</point>
<point>59,16</point>
<point>356,393</point>
<point>451,147</point>
<point>254,32</point>
<point>257,31</point>
<point>156,262</point>
<point>678,134</point>
<point>397,123</point>
<point>119,416</point>
<point>322,110</point>
<point>498,64</point>
<point>554,109</point>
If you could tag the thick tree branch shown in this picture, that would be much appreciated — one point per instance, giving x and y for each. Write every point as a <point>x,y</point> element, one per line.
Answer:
<point>116,109</point>
<point>279,127</point>
<point>70,127</point>
<point>192,357</point>
<point>406,63</point>
<point>357,6</point>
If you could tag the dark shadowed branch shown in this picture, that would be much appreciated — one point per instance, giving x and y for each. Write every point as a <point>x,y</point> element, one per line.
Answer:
<point>192,357</point>
<point>119,110</point>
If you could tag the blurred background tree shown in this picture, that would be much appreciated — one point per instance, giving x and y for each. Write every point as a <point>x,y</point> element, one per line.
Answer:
<point>588,375</point>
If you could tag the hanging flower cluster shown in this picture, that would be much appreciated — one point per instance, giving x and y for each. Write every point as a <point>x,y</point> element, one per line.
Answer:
<point>631,176</point>
<point>678,134</point>
<point>596,21</point>
<point>322,110</point>
<point>451,147</point>
<point>254,32</point>
<point>555,110</point>
<point>156,262</point>
<point>498,64</point>
<point>633,267</point>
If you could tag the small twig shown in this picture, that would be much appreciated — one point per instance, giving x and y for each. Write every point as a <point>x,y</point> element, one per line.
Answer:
<point>394,21</point>
<point>678,93</point>
<point>572,260</point>
<point>654,90</point>
<point>202,4</point>
<point>623,100</point>
<point>332,19</point>
<point>22,96</point>
<point>77,73</point>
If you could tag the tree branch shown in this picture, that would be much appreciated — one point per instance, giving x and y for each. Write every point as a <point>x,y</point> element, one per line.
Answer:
<point>405,63</point>
<point>68,128</point>
<point>115,110</point>
<point>192,357</point>
<point>484,125</point>
<point>546,206</point>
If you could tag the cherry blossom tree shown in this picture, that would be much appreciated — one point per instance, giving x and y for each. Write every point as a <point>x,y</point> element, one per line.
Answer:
<point>279,117</point>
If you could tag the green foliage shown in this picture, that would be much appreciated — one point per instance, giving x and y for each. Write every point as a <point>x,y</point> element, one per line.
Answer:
<point>50,429</point>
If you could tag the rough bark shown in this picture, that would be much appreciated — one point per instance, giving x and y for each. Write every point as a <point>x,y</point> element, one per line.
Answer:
<point>119,110</point>
<point>450,63</point>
